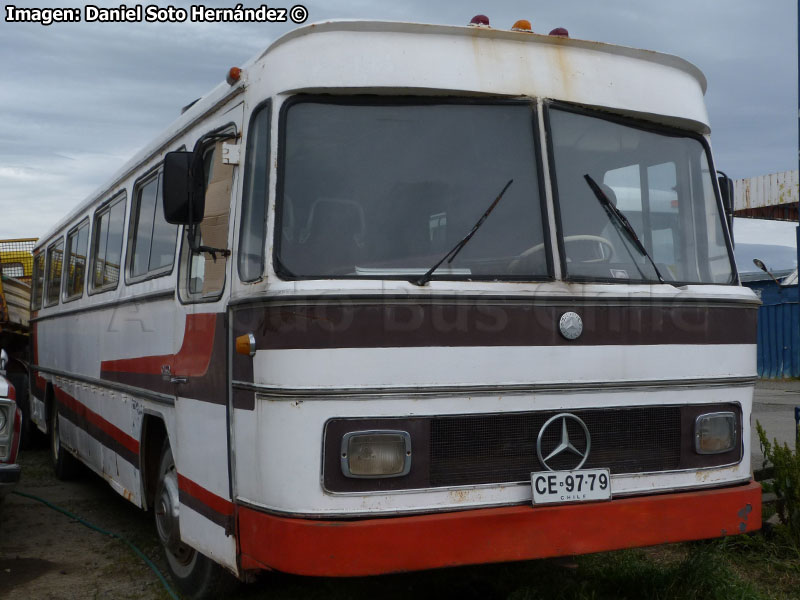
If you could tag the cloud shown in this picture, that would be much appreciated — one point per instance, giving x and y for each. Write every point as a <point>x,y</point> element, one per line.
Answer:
<point>79,99</point>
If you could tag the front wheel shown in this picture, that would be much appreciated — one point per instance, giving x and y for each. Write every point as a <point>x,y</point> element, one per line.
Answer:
<point>196,576</point>
<point>65,465</point>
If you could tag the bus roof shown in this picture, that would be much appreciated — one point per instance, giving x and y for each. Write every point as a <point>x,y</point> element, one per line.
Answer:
<point>485,33</point>
<point>412,58</point>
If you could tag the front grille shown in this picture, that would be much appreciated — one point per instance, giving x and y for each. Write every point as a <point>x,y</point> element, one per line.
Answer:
<point>499,448</point>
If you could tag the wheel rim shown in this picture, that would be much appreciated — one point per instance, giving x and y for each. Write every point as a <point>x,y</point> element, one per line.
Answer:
<point>167,513</point>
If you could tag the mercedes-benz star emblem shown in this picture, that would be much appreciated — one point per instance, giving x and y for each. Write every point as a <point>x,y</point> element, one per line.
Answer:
<point>565,445</point>
<point>571,325</point>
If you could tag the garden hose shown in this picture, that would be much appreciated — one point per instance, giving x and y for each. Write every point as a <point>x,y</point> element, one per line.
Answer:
<point>136,550</point>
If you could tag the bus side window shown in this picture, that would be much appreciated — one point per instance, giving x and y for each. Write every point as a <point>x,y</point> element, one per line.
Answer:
<point>109,222</point>
<point>38,281</point>
<point>206,273</point>
<point>77,244</point>
<point>152,248</point>
<point>255,196</point>
<point>55,262</point>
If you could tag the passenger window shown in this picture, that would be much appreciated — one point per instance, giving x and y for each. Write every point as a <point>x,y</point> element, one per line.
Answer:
<point>77,246</point>
<point>153,239</point>
<point>254,198</point>
<point>38,281</point>
<point>107,245</point>
<point>55,261</point>
<point>205,276</point>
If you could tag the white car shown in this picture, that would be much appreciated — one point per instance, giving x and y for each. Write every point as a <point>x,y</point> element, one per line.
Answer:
<point>10,428</point>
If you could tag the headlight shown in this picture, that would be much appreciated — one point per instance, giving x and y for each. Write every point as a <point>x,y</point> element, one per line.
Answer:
<point>376,454</point>
<point>715,433</point>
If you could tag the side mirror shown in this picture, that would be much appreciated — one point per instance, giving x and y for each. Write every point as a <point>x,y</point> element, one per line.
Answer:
<point>726,191</point>
<point>184,201</point>
<point>3,361</point>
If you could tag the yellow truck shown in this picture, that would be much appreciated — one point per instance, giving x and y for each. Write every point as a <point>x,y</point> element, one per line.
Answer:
<point>16,278</point>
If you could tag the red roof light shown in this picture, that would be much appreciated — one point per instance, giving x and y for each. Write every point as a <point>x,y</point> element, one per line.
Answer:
<point>234,75</point>
<point>480,21</point>
<point>560,32</point>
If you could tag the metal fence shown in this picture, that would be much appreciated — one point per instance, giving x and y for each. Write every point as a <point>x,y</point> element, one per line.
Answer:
<point>778,330</point>
<point>16,258</point>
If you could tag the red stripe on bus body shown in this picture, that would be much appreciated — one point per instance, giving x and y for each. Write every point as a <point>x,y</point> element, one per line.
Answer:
<point>216,503</point>
<point>95,419</point>
<point>192,360</point>
<point>376,546</point>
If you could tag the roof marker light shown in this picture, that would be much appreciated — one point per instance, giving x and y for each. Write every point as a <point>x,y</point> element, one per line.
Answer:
<point>233,75</point>
<point>560,32</point>
<point>479,21</point>
<point>522,25</point>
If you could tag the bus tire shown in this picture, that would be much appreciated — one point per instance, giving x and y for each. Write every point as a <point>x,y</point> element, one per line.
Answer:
<point>65,465</point>
<point>195,575</point>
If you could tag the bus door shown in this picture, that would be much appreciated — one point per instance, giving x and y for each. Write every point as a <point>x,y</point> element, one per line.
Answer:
<point>201,449</point>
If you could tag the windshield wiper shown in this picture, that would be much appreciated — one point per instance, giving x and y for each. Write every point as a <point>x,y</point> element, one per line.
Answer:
<point>616,215</point>
<point>463,242</point>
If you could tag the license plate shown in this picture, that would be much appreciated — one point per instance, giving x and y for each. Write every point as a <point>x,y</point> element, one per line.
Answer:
<point>558,487</point>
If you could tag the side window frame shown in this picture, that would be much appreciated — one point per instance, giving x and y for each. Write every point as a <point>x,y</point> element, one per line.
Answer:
<point>104,208</point>
<point>249,156</point>
<point>154,174</point>
<point>38,269</point>
<point>48,273</point>
<point>68,259</point>
<point>185,296</point>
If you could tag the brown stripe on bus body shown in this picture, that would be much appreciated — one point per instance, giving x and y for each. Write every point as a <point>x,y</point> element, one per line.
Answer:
<point>211,386</point>
<point>197,505</point>
<point>96,432</point>
<point>329,324</point>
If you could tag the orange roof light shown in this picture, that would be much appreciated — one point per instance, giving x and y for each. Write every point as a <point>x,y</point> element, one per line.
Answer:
<point>522,25</point>
<point>233,75</point>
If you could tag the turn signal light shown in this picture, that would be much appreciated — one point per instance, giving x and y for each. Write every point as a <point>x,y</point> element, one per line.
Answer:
<point>234,75</point>
<point>522,25</point>
<point>246,344</point>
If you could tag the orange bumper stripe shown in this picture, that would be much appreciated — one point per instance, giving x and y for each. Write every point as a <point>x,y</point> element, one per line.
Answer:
<point>374,546</point>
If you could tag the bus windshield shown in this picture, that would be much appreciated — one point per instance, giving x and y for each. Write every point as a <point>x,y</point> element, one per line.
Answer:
<point>660,182</point>
<point>385,190</point>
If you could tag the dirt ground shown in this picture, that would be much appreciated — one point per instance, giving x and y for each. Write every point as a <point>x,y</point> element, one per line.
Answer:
<point>47,555</point>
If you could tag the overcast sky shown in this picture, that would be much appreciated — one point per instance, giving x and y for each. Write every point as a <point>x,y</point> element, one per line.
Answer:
<point>78,100</point>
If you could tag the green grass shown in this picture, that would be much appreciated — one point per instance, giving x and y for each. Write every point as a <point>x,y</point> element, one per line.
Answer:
<point>751,567</point>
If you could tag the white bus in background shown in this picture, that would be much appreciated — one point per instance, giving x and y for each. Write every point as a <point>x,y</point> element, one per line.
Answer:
<point>371,305</point>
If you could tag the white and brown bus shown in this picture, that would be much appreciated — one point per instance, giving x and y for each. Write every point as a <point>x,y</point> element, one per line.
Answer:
<point>400,296</point>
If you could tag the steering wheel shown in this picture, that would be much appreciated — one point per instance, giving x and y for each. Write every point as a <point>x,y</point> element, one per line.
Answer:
<point>526,255</point>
